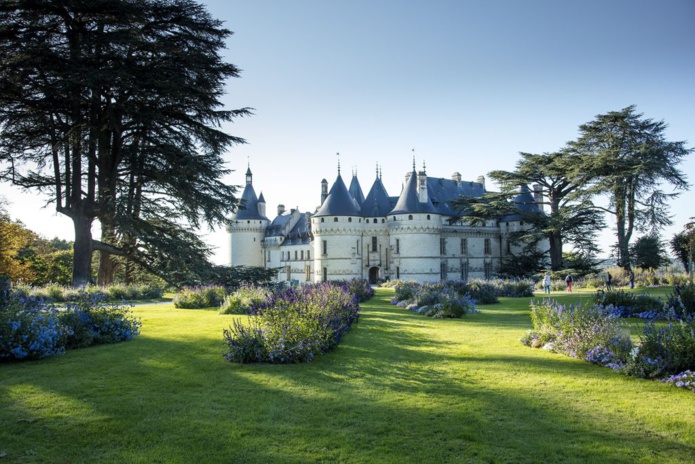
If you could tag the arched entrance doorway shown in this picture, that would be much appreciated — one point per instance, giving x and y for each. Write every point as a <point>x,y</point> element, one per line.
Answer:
<point>373,275</point>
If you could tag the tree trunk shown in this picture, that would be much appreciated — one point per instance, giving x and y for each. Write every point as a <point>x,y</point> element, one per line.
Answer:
<point>107,265</point>
<point>82,252</point>
<point>555,241</point>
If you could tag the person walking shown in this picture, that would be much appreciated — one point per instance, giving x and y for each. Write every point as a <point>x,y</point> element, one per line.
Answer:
<point>632,278</point>
<point>546,283</point>
<point>568,281</point>
<point>609,281</point>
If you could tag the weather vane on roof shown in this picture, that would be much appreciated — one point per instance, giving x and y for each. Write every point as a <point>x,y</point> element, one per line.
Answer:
<point>338,155</point>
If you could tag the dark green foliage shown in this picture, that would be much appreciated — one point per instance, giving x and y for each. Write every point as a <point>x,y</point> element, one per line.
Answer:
<point>628,157</point>
<point>112,109</point>
<point>628,304</point>
<point>648,252</point>
<point>209,296</point>
<point>233,277</point>
<point>664,350</point>
<point>570,217</point>
<point>683,248</point>
<point>682,300</point>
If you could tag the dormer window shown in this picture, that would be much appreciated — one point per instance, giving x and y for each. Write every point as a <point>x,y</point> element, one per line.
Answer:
<point>335,219</point>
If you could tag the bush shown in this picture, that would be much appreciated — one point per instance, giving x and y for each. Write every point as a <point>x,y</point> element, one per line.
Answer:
<point>245,300</point>
<point>682,300</point>
<point>685,379</point>
<point>29,329</point>
<point>360,288</point>
<point>664,350</point>
<point>579,332</point>
<point>90,320</point>
<point>483,292</point>
<point>200,297</point>
<point>627,304</point>
<point>294,325</point>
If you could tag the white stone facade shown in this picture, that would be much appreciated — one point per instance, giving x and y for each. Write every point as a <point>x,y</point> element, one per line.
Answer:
<point>409,237</point>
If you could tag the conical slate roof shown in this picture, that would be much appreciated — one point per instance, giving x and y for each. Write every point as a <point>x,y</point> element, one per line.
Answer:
<point>339,201</point>
<point>356,191</point>
<point>377,202</point>
<point>525,203</point>
<point>248,207</point>
<point>409,202</point>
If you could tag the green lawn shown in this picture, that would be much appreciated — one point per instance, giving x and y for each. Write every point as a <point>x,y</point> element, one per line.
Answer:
<point>400,388</point>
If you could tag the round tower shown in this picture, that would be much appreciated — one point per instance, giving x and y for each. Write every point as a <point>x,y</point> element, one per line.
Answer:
<point>247,228</point>
<point>415,229</point>
<point>337,228</point>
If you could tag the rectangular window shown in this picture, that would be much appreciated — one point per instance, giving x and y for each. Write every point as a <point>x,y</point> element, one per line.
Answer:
<point>373,243</point>
<point>398,245</point>
<point>288,272</point>
<point>302,255</point>
<point>442,271</point>
<point>295,255</point>
<point>442,246</point>
<point>464,246</point>
<point>398,272</point>
<point>357,247</point>
<point>325,249</point>
<point>325,274</point>
<point>464,271</point>
<point>509,247</point>
<point>488,246</point>
<point>307,271</point>
<point>488,271</point>
<point>308,254</point>
<point>268,256</point>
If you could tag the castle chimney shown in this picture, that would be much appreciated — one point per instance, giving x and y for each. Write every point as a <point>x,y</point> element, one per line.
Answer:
<point>481,180</point>
<point>538,195</point>
<point>324,190</point>
<point>281,210</point>
<point>456,177</point>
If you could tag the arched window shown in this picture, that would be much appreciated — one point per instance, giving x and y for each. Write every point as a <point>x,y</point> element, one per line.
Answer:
<point>374,221</point>
<point>349,219</point>
<point>321,219</point>
<point>410,217</point>
<point>428,217</point>
<point>335,219</point>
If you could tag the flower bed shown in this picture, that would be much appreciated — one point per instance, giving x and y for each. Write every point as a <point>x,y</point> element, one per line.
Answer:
<point>294,325</point>
<point>596,334</point>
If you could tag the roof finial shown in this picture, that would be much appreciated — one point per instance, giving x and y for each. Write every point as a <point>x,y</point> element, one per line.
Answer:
<point>338,155</point>
<point>424,167</point>
<point>413,159</point>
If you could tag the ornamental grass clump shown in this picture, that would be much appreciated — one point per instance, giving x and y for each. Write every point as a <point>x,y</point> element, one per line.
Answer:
<point>200,297</point>
<point>294,325</point>
<point>591,333</point>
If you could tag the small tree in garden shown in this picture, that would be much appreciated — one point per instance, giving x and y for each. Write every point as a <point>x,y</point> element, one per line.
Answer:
<point>648,252</point>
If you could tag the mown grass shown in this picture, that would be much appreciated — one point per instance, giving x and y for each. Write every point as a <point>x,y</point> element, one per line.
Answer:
<point>400,388</point>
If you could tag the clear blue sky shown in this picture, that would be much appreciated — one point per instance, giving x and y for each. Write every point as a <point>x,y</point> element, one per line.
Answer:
<point>467,84</point>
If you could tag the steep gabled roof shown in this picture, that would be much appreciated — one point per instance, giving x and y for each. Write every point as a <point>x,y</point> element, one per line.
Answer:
<point>339,201</point>
<point>409,201</point>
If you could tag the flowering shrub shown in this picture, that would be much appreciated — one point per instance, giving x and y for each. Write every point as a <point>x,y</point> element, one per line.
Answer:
<point>626,304</point>
<point>664,350</point>
<point>90,320</point>
<point>360,288</point>
<point>29,329</point>
<point>245,300</point>
<point>589,332</point>
<point>200,297</point>
<point>685,379</point>
<point>682,300</point>
<point>294,325</point>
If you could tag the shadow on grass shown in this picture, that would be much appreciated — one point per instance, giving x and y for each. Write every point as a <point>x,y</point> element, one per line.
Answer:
<point>389,393</point>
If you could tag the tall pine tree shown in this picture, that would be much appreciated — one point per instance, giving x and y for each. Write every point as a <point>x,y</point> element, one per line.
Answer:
<point>112,108</point>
